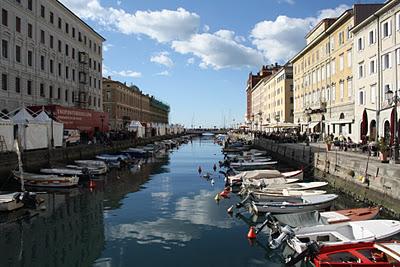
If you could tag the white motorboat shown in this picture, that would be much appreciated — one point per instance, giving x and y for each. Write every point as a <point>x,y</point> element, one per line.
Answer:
<point>46,180</point>
<point>98,164</point>
<point>305,203</point>
<point>344,233</point>
<point>92,170</point>
<point>272,182</point>
<point>294,186</point>
<point>252,165</point>
<point>284,195</point>
<point>63,171</point>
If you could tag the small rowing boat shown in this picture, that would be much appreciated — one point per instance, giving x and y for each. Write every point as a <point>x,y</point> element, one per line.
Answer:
<point>46,180</point>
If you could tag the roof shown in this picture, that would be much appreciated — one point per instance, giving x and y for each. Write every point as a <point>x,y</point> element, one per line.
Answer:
<point>383,8</point>
<point>84,23</point>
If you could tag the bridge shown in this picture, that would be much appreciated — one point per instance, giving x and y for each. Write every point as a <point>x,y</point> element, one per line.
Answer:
<point>200,131</point>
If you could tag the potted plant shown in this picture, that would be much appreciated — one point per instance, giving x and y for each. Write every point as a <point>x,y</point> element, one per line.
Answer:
<point>328,142</point>
<point>384,149</point>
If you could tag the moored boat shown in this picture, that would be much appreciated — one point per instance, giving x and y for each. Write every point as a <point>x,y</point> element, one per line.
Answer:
<point>305,203</point>
<point>10,201</point>
<point>46,180</point>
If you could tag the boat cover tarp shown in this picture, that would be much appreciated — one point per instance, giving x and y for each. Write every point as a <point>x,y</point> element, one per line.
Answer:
<point>300,219</point>
<point>259,174</point>
<point>136,126</point>
<point>7,132</point>
<point>58,128</point>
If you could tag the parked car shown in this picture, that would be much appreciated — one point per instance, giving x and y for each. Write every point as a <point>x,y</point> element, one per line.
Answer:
<point>71,137</point>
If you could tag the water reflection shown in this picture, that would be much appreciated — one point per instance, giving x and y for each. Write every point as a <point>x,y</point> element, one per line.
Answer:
<point>68,233</point>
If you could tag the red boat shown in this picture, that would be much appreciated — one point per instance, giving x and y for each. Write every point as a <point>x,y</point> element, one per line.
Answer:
<point>383,254</point>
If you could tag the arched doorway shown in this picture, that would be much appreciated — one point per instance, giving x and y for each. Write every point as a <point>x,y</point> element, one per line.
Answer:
<point>386,131</point>
<point>372,130</point>
<point>341,117</point>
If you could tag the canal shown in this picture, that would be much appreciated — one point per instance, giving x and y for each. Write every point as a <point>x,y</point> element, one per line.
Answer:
<point>161,214</point>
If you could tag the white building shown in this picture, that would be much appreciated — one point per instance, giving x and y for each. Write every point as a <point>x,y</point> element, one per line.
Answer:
<point>48,56</point>
<point>377,70</point>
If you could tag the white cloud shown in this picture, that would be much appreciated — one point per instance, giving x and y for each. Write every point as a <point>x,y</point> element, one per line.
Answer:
<point>206,28</point>
<point>163,26</point>
<point>290,2</point>
<point>163,73</point>
<point>191,60</point>
<point>219,50</point>
<point>163,59</point>
<point>119,3</point>
<point>107,47</point>
<point>128,73</point>
<point>281,39</point>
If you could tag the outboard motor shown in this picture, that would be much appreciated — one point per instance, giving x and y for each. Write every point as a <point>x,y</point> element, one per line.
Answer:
<point>286,233</point>
<point>312,249</point>
<point>29,200</point>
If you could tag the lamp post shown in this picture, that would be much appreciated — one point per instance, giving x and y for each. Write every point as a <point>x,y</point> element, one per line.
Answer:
<point>394,100</point>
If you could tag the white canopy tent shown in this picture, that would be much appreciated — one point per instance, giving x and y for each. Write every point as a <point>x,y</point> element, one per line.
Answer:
<point>7,132</point>
<point>136,126</point>
<point>58,128</point>
<point>32,134</point>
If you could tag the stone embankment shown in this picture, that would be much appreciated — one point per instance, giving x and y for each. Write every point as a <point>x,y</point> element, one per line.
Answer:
<point>36,159</point>
<point>362,177</point>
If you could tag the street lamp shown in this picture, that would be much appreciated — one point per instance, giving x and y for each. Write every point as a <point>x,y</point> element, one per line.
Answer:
<point>394,100</point>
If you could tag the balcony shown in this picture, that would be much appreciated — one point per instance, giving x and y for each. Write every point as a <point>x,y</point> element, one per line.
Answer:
<point>315,107</point>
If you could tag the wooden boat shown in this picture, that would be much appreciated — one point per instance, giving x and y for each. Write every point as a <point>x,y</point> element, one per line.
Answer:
<point>295,186</point>
<point>95,164</point>
<point>284,195</point>
<point>10,201</point>
<point>343,233</point>
<point>306,203</point>
<point>327,217</point>
<point>272,182</point>
<point>47,180</point>
<point>264,174</point>
<point>379,254</point>
<point>62,171</point>
<point>252,165</point>
<point>92,170</point>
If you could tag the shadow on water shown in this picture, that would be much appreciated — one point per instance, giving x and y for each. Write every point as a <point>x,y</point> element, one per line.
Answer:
<point>68,233</point>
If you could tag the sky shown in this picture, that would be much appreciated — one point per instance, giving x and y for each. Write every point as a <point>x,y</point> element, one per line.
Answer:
<point>196,55</point>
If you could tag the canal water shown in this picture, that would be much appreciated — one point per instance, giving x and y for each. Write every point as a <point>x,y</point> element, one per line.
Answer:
<point>161,214</point>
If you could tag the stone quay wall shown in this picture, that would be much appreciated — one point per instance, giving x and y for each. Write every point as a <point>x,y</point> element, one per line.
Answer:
<point>354,174</point>
<point>36,159</point>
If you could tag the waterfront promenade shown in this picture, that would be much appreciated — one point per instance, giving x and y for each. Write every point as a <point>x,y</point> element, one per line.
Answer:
<point>353,173</point>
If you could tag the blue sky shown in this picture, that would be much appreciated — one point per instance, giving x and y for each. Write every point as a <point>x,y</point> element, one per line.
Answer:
<point>196,55</point>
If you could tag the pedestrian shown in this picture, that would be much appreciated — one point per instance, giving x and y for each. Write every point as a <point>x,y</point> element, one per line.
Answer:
<point>199,170</point>
<point>215,167</point>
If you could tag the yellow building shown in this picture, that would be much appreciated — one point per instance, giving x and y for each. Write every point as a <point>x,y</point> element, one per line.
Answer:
<point>323,78</point>
<point>274,101</point>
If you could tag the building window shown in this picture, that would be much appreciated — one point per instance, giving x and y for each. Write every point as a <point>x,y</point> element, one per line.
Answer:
<point>42,90</point>
<point>386,62</point>
<point>42,36</point>
<point>66,50</point>
<point>58,93</point>
<point>73,32</point>
<point>51,17</point>
<point>349,88</point>
<point>79,36</point>
<point>373,94</point>
<point>372,66</point>
<point>51,66</point>
<point>66,95</point>
<point>59,46</point>
<point>18,53</point>
<point>371,37</point>
<point>386,88</point>
<point>30,56</point>
<point>360,70</point>
<point>29,87</point>
<point>50,91</point>
<point>17,84</point>
<point>42,11</point>
<point>51,41</point>
<point>4,48</point>
<point>341,62</point>
<point>341,90</point>
<point>333,93</point>
<point>4,82</point>
<point>73,74</point>
<point>333,67</point>
<point>42,62</point>
<point>349,58</point>
<point>73,53</point>
<point>30,30</point>
<point>386,28</point>
<point>66,72</point>
<point>59,23</point>
<point>4,17</point>
<point>59,69</point>
<point>30,6</point>
<point>360,44</point>
<point>66,28</point>
<point>18,24</point>
<point>361,97</point>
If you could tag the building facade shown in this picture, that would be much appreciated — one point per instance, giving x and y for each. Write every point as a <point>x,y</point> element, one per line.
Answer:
<point>48,56</point>
<point>323,75</point>
<point>128,103</point>
<point>273,98</point>
<point>378,68</point>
